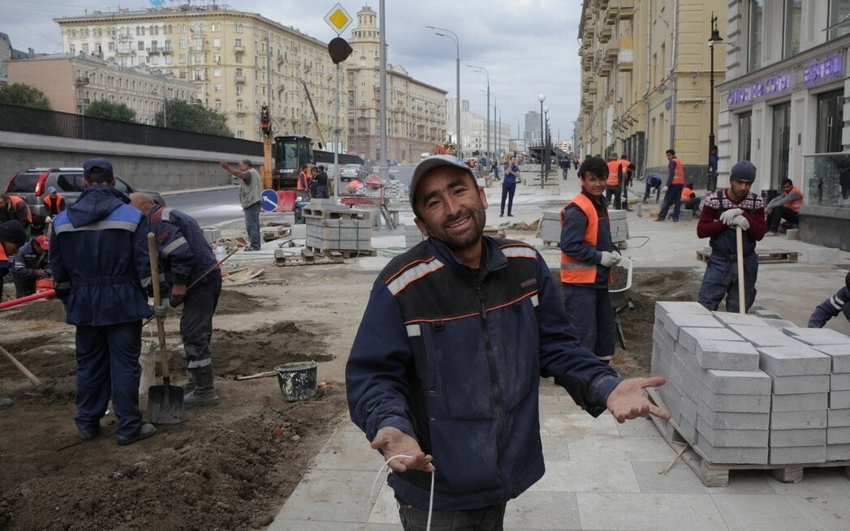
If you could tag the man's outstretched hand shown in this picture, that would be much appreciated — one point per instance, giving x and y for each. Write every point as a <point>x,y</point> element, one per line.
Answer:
<point>393,441</point>
<point>629,399</point>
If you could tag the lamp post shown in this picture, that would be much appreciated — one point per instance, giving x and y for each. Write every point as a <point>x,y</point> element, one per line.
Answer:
<point>541,98</point>
<point>714,39</point>
<point>546,139</point>
<point>495,126</point>
<point>442,32</point>
<point>482,70</point>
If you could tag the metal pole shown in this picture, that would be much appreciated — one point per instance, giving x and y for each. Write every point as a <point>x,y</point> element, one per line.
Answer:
<point>541,98</point>
<point>488,115</point>
<point>711,178</point>
<point>383,169</point>
<point>336,136</point>
<point>457,103</point>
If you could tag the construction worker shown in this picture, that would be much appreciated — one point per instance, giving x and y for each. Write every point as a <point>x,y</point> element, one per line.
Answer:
<point>99,257</point>
<point>186,256</point>
<point>54,203</point>
<point>612,187</point>
<point>785,206</point>
<point>249,198</point>
<point>653,182</point>
<point>587,254</point>
<point>690,200</point>
<point>627,170</point>
<point>675,183</point>
<point>305,177</point>
<point>32,263</point>
<point>722,212</point>
<point>12,237</point>
<point>13,207</point>
<point>831,307</point>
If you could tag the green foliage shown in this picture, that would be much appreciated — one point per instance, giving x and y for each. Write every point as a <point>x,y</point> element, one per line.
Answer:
<point>193,117</point>
<point>109,110</point>
<point>24,95</point>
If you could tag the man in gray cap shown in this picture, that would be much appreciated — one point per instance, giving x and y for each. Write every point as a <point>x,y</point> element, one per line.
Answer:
<point>444,372</point>
<point>723,212</point>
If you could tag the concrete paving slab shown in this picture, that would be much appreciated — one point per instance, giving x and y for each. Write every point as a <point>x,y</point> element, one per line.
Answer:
<point>681,479</point>
<point>737,382</point>
<point>585,476</point>
<point>578,425</point>
<point>385,509</point>
<point>348,450</point>
<point>816,482</point>
<point>793,360</point>
<point>555,448</point>
<point>649,512</point>
<point>340,496</point>
<point>817,336</point>
<point>543,510</point>
<point>593,448</point>
<point>637,428</point>
<point>769,513</point>
<point>793,385</point>
<point>559,403</point>
<point>840,355</point>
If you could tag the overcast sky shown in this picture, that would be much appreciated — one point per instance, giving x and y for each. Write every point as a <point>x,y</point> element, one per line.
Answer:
<point>528,47</point>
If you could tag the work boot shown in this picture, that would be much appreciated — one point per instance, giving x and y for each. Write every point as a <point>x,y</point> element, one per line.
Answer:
<point>189,386</point>
<point>204,392</point>
<point>5,402</point>
<point>145,431</point>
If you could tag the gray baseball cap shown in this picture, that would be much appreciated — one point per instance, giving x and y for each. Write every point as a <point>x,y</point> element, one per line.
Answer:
<point>435,161</point>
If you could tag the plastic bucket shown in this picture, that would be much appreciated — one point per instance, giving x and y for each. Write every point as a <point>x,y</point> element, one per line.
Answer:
<point>297,381</point>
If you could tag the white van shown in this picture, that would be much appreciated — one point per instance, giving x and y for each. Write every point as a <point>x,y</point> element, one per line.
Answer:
<point>424,156</point>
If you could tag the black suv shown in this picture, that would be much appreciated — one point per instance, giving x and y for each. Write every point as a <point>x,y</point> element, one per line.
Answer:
<point>31,185</point>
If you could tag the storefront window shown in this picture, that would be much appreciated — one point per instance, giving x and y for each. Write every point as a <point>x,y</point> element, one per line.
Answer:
<point>781,144</point>
<point>755,34</point>
<point>793,16</point>
<point>839,18</point>
<point>745,135</point>
<point>830,122</point>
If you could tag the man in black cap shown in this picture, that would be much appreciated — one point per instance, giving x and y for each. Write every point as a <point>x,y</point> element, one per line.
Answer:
<point>722,213</point>
<point>100,262</point>
<point>444,373</point>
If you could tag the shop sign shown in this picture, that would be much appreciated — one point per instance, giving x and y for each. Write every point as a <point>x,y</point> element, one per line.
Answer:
<point>823,69</point>
<point>765,87</point>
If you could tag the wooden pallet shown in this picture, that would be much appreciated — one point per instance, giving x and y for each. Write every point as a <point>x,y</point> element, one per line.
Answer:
<point>338,213</point>
<point>308,257</point>
<point>717,475</point>
<point>764,257</point>
<point>344,253</point>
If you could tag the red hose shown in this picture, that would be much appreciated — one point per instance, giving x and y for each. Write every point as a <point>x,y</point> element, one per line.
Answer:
<point>29,298</point>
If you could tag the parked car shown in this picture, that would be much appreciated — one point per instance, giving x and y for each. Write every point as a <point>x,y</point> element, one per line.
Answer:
<point>424,156</point>
<point>31,185</point>
<point>350,172</point>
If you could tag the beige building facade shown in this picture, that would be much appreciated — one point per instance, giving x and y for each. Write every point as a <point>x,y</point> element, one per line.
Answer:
<point>73,82</point>
<point>646,70</point>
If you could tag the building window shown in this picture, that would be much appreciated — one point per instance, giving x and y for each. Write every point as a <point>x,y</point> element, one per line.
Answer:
<point>217,72</point>
<point>839,18</point>
<point>240,119</point>
<point>830,122</point>
<point>72,49</point>
<point>140,30</point>
<point>745,136</point>
<point>111,46</point>
<point>238,28</point>
<point>140,45</point>
<point>780,154</point>
<point>217,43</point>
<point>217,87</point>
<point>239,89</point>
<point>181,44</point>
<point>85,47</point>
<point>182,57</point>
<point>239,105</point>
<point>239,58</point>
<point>168,59</point>
<point>217,104</point>
<point>181,28</point>
<point>198,74</point>
<point>756,14</point>
<point>793,18</point>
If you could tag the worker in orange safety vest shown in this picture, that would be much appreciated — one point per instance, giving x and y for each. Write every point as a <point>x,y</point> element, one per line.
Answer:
<point>784,206</point>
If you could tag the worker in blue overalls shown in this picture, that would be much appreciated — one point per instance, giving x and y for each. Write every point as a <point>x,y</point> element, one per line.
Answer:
<point>186,258</point>
<point>99,257</point>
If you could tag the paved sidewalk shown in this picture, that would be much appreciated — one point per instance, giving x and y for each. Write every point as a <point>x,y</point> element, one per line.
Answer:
<point>602,476</point>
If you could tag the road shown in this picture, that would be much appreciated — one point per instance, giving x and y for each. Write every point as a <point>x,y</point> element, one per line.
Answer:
<point>210,207</point>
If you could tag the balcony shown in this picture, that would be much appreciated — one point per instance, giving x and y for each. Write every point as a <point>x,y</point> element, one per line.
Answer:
<point>611,51</point>
<point>626,10</point>
<point>626,56</point>
<point>126,52</point>
<point>166,50</point>
<point>153,49</point>
<point>241,111</point>
<point>605,33</point>
<point>604,69</point>
<point>240,49</point>
<point>239,79</point>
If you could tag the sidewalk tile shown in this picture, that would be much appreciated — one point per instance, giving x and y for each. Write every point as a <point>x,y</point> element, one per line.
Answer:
<point>542,510</point>
<point>606,449</point>
<point>587,476</point>
<point>680,479</point>
<point>649,512</point>
<point>769,513</point>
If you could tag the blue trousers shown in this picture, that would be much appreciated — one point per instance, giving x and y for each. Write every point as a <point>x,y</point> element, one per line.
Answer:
<point>108,365</point>
<point>252,224</point>
<point>673,196</point>
<point>721,280</point>
<point>196,322</point>
<point>592,318</point>
<point>508,191</point>
<point>485,519</point>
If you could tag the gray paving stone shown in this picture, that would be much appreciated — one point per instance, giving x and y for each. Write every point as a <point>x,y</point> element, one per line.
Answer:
<point>724,438</point>
<point>784,513</point>
<point>639,511</point>
<point>680,479</point>
<point>688,337</point>
<point>839,382</point>
<point>660,336</point>
<point>802,437</point>
<point>801,402</point>
<point>838,418</point>
<point>735,403</point>
<point>688,431</point>
<point>733,455</point>
<point>817,336</point>
<point>797,455</point>
<point>688,410</point>
<point>543,510</point>
<point>838,435</point>
<point>725,355</point>
<point>793,360</point>
<point>764,313</point>
<point>840,355</point>
<point>764,336</point>
<point>680,307</point>
<point>794,385</point>
<point>779,324</point>
<point>798,419</point>
<point>838,452</point>
<point>737,382</point>
<point>737,318</point>
<point>735,421</point>
<point>839,399</point>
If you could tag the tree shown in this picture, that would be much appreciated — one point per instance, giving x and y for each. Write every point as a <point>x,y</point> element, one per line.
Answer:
<point>109,110</point>
<point>24,95</point>
<point>193,117</point>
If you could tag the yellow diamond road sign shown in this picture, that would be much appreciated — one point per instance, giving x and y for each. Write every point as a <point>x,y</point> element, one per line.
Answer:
<point>338,19</point>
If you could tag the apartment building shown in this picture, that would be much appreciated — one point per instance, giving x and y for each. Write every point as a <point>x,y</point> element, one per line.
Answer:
<point>783,106</point>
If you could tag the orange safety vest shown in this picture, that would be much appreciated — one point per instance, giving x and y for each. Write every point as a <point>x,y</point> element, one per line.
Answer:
<point>48,203</point>
<point>3,257</point>
<point>795,205</point>
<point>572,270</point>
<point>15,201</point>
<point>686,194</point>
<point>679,172</point>
<point>303,183</point>
<point>613,173</point>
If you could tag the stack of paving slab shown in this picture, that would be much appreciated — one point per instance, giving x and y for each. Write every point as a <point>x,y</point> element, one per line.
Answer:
<point>412,235</point>
<point>337,228</point>
<point>619,225</point>
<point>550,226</point>
<point>750,389</point>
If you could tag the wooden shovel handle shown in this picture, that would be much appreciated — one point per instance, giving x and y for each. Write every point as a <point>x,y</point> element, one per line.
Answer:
<point>742,298</point>
<point>157,301</point>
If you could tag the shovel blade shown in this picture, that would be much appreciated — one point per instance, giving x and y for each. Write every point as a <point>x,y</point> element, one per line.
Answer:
<point>165,404</point>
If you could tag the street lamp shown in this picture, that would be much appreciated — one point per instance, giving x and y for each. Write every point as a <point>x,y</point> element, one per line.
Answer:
<point>541,98</point>
<point>546,142</point>
<point>495,125</point>
<point>483,70</point>
<point>714,39</point>
<point>442,32</point>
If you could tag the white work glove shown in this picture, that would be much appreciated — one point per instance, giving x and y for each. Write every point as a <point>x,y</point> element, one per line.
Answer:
<point>727,216</point>
<point>740,221</point>
<point>610,259</point>
<point>161,311</point>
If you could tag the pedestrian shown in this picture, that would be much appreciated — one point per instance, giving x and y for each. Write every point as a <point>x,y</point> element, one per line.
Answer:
<point>99,257</point>
<point>722,212</point>
<point>512,173</point>
<point>14,207</point>
<point>690,200</point>
<point>321,180</point>
<point>576,162</point>
<point>831,307</point>
<point>12,237</point>
<point>675,183</point>
<point>713,159</point>
<point>653,182</point>
<point>187,260</point>
<point>614,178</point>
<point>443,376</point>
<point>495,170</point>
<point>32,263</point>
<point>587,255</point>
<point>784,206</point>
<point>565,164</point>
<point>249,198</point>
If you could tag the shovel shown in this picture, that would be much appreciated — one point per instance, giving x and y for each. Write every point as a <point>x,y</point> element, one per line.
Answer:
<point>165,402</point>
<point>742,298</point>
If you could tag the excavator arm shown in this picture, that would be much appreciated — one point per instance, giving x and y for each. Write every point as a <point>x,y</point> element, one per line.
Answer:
<point>315,117</point>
